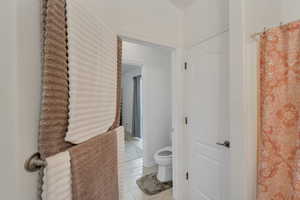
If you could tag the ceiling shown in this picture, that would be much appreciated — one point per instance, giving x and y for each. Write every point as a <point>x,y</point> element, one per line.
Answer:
<point>182,3</point>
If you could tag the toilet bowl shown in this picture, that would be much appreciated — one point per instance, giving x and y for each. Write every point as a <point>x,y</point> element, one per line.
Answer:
<point>163,159</point>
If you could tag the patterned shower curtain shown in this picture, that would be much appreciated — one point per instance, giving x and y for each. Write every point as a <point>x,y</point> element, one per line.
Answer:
<point>279,114</point>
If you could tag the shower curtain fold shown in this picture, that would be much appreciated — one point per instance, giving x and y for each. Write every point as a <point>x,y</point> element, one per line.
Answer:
<point>279,114</point>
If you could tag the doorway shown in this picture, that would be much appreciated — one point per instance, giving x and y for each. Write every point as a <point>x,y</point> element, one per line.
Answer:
<point>132,111</point>
<point>146,117</point>
<point>207,109</point>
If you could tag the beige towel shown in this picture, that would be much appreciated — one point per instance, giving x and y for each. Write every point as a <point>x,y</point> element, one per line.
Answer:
<point>94,166</point>
<point>57,183</point>
<point>121,161</point>
<point>92,74</point>
<point>55,93</point>
<point>119,83</point>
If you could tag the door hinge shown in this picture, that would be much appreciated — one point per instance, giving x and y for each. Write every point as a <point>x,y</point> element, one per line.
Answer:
<point>187,175</point>
<point>186,120</point>
<point>185,66</point>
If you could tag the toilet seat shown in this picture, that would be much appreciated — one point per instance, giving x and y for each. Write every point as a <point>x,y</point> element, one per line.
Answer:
<point>163,159</point>
<point>164,153</point>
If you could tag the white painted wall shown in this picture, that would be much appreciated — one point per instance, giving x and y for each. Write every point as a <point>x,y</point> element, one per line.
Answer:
<point>20,87</point>
<point>8,101</point>
<point>127,100</point>
<point>203,19</point>
<point>290,10</point>
<point>108,11</point>
<point>29,91</point>
<point>156,95</point>
<point>155,21</point>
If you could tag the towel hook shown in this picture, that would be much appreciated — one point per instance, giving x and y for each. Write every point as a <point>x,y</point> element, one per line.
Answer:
<point>35,163</point>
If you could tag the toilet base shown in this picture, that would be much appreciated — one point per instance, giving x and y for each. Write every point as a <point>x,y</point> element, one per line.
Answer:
<point>164,173</point>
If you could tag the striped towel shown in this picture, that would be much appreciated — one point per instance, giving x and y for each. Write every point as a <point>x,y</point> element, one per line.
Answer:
<point>92,74</point>
<point>94,166</point>
<point>55,87</point>
<point>57,183</point>
<point>121,161</point>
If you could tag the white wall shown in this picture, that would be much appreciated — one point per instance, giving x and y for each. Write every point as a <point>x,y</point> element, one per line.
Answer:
<point>8,102</point>
<point>29,91</point>
<point>203,19</point>
<point>156,95</point>
<point>108,11</point>
<point>290,10</point>
<point>20,87</point>
<point>155,21</point>
<point>127,100</point>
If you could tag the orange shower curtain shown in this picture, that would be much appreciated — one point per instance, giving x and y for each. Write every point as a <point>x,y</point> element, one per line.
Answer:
<point>279,131</point>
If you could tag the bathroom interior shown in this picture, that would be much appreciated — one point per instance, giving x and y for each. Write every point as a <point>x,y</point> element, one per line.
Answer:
<point>147,120</point>
<point>220,41</point>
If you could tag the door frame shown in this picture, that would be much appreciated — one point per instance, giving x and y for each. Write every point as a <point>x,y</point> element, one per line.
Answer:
<point>227,151</point>
<point>179,183</point>
<point>243,106</point>
<point>242,112</point>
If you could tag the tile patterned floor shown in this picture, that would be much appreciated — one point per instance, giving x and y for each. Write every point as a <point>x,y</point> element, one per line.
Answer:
<point>133,149</point>
<point>133,170</point>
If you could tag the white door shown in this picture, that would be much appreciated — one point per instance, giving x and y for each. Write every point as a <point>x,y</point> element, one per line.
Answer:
<point>207,89</point>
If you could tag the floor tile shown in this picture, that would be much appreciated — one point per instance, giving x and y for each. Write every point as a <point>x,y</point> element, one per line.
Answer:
<point>133,170</point>
<point>128,196</point>
<point>133,149</point>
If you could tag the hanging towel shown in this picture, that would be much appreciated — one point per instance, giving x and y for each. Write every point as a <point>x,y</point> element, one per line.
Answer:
<point>55,92</point>
<point>92,74</point>
<point>116,123</point>
<point>57,183</point>
<point>94,166</point>
<point>121,161</point>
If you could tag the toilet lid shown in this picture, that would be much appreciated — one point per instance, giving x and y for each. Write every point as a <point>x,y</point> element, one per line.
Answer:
<point>165,153</point>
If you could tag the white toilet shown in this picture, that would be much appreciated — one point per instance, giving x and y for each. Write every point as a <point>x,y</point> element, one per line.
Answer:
<point>163,158</point>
